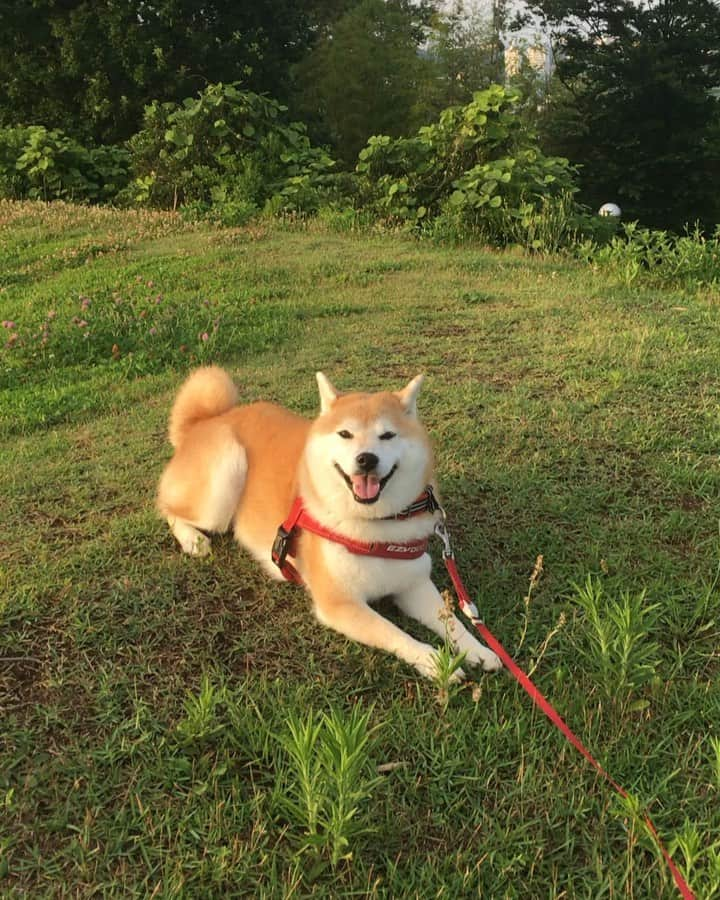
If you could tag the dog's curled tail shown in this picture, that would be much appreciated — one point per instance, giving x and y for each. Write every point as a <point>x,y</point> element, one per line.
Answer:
<point>206,393</point>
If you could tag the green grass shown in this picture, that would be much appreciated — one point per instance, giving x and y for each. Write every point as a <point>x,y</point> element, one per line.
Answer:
<point>146,699</point>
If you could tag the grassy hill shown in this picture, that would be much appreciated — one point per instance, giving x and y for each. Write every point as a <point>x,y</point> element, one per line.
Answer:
<point>145,697</point>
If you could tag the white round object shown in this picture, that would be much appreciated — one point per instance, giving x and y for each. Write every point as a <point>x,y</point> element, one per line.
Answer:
<point>610,209</point>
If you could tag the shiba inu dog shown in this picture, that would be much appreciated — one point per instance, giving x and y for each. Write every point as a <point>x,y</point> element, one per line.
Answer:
<point>360,479</point>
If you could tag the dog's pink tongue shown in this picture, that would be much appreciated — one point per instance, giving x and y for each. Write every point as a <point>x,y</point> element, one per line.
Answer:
<point>365,487</point>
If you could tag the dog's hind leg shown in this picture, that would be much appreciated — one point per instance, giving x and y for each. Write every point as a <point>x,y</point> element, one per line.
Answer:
<point>201,487</point>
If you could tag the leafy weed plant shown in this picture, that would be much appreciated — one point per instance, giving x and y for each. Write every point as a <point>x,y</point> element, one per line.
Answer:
<point>328,780</point>
<point>618,640</point>
<point>714,741</point>
<point>699,860</point>
<point>637,254</point>
<point>201,721</point>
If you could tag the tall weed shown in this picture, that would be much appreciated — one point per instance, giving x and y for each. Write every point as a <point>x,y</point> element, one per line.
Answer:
<point>228,151</point>
<point>329,777</point>
<point>617,640</point>
<point>42,164</point>
<point>477,171</point>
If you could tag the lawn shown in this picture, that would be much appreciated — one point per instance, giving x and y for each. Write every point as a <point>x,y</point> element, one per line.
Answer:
<point>147,700</point>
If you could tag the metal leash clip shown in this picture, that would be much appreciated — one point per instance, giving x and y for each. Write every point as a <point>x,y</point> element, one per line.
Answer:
<point>442,532</point>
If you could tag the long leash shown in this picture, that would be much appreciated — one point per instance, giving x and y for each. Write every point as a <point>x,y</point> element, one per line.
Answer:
<point>470,611</point>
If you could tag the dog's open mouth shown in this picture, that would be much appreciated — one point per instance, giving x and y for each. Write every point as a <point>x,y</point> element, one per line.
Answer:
<point>366,487</point>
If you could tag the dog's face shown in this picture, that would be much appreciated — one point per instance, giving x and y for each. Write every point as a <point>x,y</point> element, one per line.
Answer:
<point>368,455</point>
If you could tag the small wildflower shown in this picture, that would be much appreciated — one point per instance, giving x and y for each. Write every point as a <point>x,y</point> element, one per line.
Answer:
<point>12,340</point>
<point>51,314</point>
<point>81,323</point>
<point>158,299</point>
<point>84,302</point>
<point>204,336</point>
<point>115,352</point>
<point>153,331</point>
<point>150,284</point>
<point>8,324</point>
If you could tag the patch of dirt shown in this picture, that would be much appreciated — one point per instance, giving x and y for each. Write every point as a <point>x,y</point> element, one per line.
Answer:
<point>690,503</point>
<point>19,676</point>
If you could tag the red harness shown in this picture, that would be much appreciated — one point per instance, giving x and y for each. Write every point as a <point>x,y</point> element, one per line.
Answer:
<point>299,519</point>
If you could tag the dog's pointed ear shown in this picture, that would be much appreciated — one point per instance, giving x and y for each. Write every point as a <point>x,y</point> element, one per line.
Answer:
<point>409,394</point>
<point>328,394</point>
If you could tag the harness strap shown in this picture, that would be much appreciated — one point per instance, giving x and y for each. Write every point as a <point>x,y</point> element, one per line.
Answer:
<point>426,502</point>
<point>299,519</point>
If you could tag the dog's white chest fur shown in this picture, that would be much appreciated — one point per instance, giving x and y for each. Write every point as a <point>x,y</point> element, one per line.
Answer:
<point>369,577</point>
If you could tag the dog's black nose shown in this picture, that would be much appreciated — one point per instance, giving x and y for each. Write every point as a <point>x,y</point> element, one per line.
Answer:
<point>366,462</point>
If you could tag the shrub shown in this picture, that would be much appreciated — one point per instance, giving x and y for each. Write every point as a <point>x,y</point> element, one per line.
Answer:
<point>477,170</point>
<point>691,260</point>
<point>12,143</point>
<point>229,151</point>
<point>41,164</point>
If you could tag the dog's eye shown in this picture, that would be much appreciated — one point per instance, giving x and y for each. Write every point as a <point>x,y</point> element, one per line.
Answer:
<point>387,435</point>
<point>344,434</point>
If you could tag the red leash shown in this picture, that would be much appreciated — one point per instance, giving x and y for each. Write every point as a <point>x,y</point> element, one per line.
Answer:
<point>470,611</point>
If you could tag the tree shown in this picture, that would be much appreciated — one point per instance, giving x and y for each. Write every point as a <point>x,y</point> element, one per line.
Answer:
<point>469,49</point>
<point>636,105</point>
<point>364,75</point>
<point>90,66</point>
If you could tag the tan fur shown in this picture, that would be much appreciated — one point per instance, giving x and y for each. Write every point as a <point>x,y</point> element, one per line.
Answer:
<point>244,465</point>
<point>208,392</point>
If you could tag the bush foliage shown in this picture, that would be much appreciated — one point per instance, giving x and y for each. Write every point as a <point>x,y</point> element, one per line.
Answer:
<point>42,164</point>
<point>690,260</point>
<point>478,169</point>
<point>226,149</point>
<point>230,154</point>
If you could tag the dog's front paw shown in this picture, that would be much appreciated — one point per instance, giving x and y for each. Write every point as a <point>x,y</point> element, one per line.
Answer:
<point>482,656</point>
<point>491,662</point>
<point>430,665</point>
